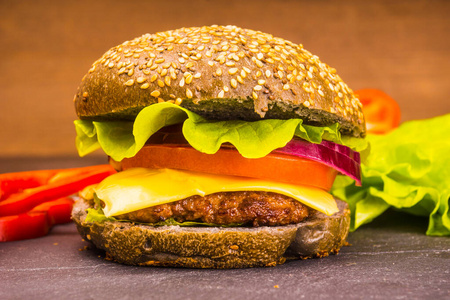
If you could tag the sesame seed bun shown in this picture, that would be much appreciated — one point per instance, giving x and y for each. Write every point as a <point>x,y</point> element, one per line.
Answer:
<point>219,72</point>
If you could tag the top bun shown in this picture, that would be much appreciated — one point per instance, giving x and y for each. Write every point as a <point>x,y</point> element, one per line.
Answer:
<point>221,73</point>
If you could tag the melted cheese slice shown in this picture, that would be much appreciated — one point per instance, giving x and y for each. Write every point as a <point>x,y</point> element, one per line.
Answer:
<point>139,188</point>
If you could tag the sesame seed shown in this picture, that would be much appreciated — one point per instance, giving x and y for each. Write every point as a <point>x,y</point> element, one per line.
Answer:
<point>173,75</point>
<point>130,72</point>
<point>321,93</point>
<point>221,94</point>
<point>160,83</point>
<point>164,72</point>
<point>232,71</point>
<point>167,80</point>
<point>306,103</point>
<point>181,82</point>
<point>254,95</point>
<point>189,65</point>
<point>230,63</point>
<point>261,81</point>
<point>189,78</point>
<point>153,78</point>
<point>246,70</point>
<point>160,100</point>
<point>189,93</point>
<point>286,87</point>
<point>257,87</point>
<point>233,83</point>
<point>197,75</point>
<point>268,73</point>
<point>155,93</point>
<point>145,86</point>
<point>129,82</point>
<point>181,60</point>
<point>219,71</point>
<point>159,60</point>
<point>260,56</point>
<point>239,79</point>
<point>141,79</point>
<point>178,101</point>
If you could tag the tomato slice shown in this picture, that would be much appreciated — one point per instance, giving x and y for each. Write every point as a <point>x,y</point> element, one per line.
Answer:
<point>227,161</point>
<point>382,113</point>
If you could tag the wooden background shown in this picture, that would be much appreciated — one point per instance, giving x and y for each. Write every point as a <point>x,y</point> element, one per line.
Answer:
<point>401,47</point>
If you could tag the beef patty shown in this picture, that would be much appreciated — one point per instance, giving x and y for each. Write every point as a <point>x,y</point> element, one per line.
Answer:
<point>247,208</point>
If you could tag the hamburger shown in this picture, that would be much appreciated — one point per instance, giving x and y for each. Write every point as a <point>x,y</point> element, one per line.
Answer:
<point>226,141</point>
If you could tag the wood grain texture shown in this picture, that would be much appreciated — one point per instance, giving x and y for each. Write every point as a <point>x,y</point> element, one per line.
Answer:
<point>401,47</point>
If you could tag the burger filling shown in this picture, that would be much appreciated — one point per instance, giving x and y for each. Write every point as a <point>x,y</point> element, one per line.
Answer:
<point>152,196</point>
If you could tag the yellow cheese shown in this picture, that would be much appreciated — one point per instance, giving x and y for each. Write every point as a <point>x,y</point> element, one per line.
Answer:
<point>140,188</point>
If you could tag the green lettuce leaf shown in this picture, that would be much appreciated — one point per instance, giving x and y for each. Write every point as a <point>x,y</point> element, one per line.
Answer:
<point>408,169</point>
<point>97,215</point>
<point>252,139</point>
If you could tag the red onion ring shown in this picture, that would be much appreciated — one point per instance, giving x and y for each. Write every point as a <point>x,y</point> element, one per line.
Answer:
<point>339,157</point>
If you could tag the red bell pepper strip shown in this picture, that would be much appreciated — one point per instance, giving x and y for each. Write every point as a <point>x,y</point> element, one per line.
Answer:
<point>382,112</point>
<point>11,183</point>
<point>62,183</point>
<point>32,202</point>
<point>36,222</point>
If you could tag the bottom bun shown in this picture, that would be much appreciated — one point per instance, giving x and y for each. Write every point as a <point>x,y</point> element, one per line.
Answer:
<point>216,247</point>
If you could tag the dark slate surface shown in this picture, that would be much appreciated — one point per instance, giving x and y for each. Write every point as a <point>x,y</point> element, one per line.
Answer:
<point>391,258</point>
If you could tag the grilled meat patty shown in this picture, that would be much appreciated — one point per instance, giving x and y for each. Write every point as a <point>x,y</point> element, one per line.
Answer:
<point>249,208</point>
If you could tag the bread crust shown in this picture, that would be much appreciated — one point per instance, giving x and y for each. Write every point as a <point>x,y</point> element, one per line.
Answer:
<point>219,72</point>
<point>216,247</point>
